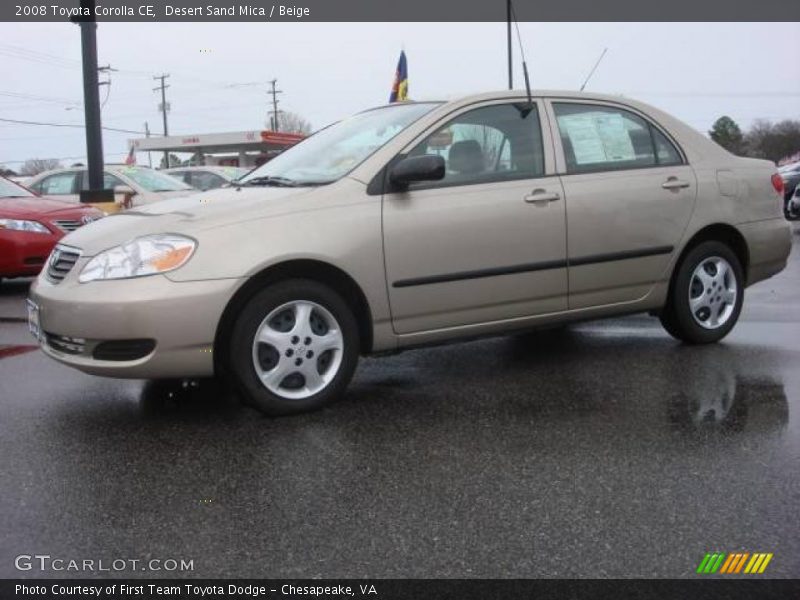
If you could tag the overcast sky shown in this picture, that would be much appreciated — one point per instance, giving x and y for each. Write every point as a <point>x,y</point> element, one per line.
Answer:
<point>326,71</point>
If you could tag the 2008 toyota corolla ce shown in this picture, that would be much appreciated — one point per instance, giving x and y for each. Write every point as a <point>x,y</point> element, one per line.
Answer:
<point>418,223</point>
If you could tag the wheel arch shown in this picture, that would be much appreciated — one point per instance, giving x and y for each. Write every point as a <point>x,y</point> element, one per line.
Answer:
<point>720,232</point>
<point>316,270</point>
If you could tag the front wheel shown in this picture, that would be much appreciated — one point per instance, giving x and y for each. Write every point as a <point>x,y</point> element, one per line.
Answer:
<point>706,295</point>
<point>294,347</point>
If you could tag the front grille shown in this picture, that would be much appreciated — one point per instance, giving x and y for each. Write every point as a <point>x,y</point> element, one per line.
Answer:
<point>65,344</point>
<point>120,350</point>
<point>61,262</point>
<point>65,225</point>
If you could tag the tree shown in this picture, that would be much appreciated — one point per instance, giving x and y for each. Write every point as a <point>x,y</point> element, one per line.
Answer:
<point>6,172</point>
<point>773,141</point>
<point>34,166</point>
<point>727,134</point>
<point>290,122</point>
<point>174,161</point>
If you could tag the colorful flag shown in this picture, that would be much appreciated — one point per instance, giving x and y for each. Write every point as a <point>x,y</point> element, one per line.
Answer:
<point>400,85</point>
<point>131,159</point>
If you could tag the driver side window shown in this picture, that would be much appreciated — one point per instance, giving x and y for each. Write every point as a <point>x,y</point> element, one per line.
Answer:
<point>492,143</point>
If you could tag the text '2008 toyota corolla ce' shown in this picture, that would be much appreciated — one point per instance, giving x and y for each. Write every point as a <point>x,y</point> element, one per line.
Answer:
<point>418,223</point>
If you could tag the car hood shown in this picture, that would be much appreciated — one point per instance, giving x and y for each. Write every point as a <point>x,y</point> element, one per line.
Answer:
<point>188,215</point>
<point>32,208</point>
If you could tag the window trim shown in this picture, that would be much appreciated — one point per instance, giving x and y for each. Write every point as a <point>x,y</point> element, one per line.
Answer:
<point>379,184</point>
<point>653,125</point>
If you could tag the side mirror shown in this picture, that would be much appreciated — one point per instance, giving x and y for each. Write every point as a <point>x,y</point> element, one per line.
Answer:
<point>124,189</point>
<point>428,167</point>
<point>127,194</point>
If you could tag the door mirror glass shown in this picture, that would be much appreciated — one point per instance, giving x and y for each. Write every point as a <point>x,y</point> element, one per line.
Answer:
<point>428,167</point>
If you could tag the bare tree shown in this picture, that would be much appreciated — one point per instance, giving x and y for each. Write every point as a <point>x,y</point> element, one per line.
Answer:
<point>773,141</point>
<point>34,166</point>
<point>290,122</point>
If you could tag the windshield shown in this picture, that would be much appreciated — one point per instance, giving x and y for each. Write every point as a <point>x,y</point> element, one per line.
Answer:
<point>9,189</point>
<point>336,150</point>
<point>153,181</point>
<point>234,173</point>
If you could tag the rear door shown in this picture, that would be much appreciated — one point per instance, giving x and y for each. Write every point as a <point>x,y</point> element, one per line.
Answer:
<point>486,243</point>
<point>629,196</point>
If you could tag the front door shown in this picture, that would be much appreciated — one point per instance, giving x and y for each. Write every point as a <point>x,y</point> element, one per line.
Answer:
<point>487,242</point>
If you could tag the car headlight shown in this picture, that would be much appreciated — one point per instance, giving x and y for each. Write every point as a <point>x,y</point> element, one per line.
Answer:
<point>19,225</point>
<point>146,255</point>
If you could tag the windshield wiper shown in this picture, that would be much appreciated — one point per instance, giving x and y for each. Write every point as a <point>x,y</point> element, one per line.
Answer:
<point>268,180</point>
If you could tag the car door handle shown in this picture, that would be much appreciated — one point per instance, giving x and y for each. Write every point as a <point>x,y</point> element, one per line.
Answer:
<point>673,183</point>
<point>541,197</point>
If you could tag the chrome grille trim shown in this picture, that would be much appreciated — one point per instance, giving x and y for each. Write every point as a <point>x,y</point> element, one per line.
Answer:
<point>67,225</point>
<point>61,262</point>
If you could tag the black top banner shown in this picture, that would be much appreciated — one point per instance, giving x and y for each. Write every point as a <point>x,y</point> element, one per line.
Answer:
<point>402,10</point>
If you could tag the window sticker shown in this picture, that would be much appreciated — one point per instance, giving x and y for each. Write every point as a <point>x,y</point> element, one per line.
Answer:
<point>598,137</point>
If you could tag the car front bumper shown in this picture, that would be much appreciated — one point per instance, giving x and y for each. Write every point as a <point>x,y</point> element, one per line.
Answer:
<point>180,318</point>
<point>24,253</point>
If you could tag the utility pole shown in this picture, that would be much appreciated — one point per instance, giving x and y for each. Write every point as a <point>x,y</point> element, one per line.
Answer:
<point>274,92</point>
<point>147,135</point>
<point>508,39</point>
<point>91,104</point>
<point>164,109</point>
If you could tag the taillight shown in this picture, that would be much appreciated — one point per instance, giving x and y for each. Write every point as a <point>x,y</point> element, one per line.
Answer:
<point>777,183</point>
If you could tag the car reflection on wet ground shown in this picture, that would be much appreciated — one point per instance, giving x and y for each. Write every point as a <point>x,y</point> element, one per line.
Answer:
<point>605,449</point>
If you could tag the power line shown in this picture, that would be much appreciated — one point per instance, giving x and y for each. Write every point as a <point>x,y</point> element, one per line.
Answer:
<point>13,162</point>
<point>78,125</point>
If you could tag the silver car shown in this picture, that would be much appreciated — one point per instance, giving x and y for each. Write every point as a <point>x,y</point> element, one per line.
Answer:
<point>418,223</point>
<point>207,178</point>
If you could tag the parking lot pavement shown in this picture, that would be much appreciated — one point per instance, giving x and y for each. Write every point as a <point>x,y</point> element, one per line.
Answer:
<point>602,450</point>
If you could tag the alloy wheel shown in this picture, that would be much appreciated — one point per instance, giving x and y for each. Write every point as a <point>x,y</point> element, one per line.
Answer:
<point>712,292</point>
<point>298,349</point>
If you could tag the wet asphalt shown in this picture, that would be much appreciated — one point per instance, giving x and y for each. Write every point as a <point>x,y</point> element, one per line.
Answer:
<point>605,449</point>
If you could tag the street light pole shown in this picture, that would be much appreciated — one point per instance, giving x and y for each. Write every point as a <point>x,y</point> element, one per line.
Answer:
<point>508,38</point>
<point>91,104</point>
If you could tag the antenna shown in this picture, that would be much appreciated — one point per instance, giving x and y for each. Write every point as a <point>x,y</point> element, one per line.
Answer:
<point>525,110</point>
<point>594,68</point>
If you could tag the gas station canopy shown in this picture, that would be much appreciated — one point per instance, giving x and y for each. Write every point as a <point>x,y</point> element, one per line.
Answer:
<point>264,141</point>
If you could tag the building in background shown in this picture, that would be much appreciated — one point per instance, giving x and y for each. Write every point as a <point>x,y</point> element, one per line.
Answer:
<point>234,149</point>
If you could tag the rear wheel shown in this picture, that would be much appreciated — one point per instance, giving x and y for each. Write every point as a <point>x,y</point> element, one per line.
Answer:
<point>294,347</point>
<point>706,296</point>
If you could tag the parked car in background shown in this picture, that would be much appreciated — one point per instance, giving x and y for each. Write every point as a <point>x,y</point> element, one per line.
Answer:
<point>207,178</point>
<point>30,226</point>
<point>142,184</point>
<point>791,180</point>
<point>793,208</point>
<point>419,223</point>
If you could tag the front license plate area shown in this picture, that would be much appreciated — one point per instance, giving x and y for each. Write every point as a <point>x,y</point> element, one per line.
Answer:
<point>34,324</point>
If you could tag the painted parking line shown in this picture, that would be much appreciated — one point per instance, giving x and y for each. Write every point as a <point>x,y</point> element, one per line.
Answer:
<point>9,351</point>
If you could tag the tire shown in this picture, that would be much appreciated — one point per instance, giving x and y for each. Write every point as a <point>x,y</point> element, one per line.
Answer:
<point>705,298</point>
<point>297,366</point>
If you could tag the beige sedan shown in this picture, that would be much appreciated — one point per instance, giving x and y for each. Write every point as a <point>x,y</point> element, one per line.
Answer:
<point>412,224</point>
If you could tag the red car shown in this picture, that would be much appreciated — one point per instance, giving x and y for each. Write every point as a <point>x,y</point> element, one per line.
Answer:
<point>30,225</point>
